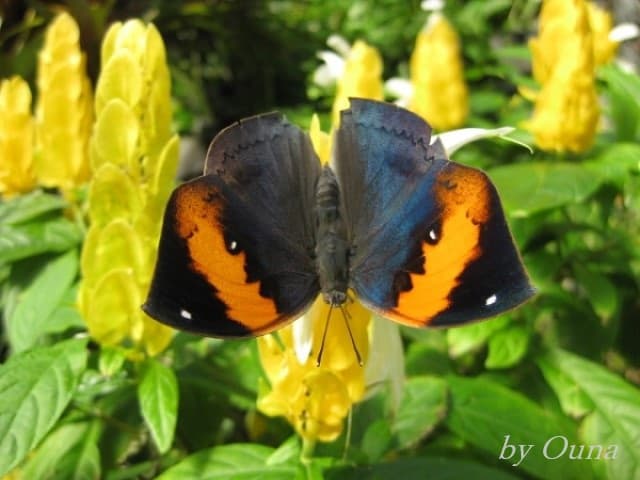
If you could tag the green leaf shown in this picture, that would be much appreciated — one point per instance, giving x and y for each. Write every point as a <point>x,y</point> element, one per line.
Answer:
<point>22,241</point>
<point>66,314</point>
<point>615,417</point>
<point>69,452</point>
<point>111,360</point>
<point>616,163</point>
<point>230,462</point>
<point>36,387</point>
<point>423,406</point>
<point>376,439</point>
<point>488,415</point>
<point>543,268</point>
<point>526,188</point>
<point>420,468</point>
<point>27,207</point>
<point>468,338</point>
<point>37,303</point>
<point>601,291</point>
<point>624,101</point>
<point>288,452</point>
<point>507,347</point>
<point>83,460</point>
<point>573,401</point>
<point>158,398</point>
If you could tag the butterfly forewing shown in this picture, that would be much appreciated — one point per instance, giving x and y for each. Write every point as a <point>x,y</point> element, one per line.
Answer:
<point>235,254</point>
<point>430,242</point>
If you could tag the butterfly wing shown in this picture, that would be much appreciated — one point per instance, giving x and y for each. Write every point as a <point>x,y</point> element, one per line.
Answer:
<point>430,243</point>
<point>234,257</point>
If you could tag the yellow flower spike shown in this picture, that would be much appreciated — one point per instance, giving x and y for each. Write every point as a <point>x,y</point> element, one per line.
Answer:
<point>339,353</point>
<point>362,77</point>
<point>65,108</point>
<point>324,403</point>
<point>316,399</point>
<point>120,78</point>
<point>566,111</point>
<point>440,94</point>
<point>132,37</point>
<point>155,336</point>
<point>116,246</point>
<point>115,138</point>
<point>162,174</point>
<point>134,157</point>
<point>604,49</point>
<point>313,399</point>
<point>158,118</point>
<point>560,21</point>
<point>113,306</point>
<point>112,194</point>
<point>321,140</point>
<point>16,138</point>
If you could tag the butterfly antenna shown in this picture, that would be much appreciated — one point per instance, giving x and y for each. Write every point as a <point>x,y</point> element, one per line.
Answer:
<point>346,317</point>
<point>324,336</point>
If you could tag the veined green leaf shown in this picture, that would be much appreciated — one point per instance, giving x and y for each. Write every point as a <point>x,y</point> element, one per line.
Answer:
<point>421,468</point>
<point>158,398</point>
<point>616,163</point>
<point>624,101</point>
<point>29,206</point>
<point>376,439</point>
<point>230,462</point>
<point>66,314</point>
<point>423,406</point>
<point>83,460</point>
<point>526,188</point>
<point>36,387</point>
<point>38,302</point>
<point>288,452</point>
<point>22,241</point>
<point>467,338</point>
<point>488,416</point>
<point>507,347</point>
<point>69,452</point>
<point>601,291</point>
<point>615,409</point>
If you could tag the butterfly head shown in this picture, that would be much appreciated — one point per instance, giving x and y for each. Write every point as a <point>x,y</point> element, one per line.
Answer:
<point>335,298</point>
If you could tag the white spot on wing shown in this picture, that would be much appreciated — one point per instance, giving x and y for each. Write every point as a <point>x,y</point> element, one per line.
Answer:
<point>233,245</point>
<point>432,235</point>
<point>491,300</point>
<point>185,314</point>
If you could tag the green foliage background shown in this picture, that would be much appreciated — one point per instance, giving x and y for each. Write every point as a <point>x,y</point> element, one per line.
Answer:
<point>567,363</point>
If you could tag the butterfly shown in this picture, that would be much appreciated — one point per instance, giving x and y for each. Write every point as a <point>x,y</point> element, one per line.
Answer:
<point>248,246</point>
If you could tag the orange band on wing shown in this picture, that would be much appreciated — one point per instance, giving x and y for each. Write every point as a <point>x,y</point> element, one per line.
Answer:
<point>198,222</point>
<point>463,197</point>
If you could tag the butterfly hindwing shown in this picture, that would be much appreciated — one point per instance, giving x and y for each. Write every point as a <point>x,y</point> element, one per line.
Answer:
<point>429,238</point>
<point>234,257</point>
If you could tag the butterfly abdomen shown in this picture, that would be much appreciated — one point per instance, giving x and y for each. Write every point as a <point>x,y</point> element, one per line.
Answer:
<point>332,249</point>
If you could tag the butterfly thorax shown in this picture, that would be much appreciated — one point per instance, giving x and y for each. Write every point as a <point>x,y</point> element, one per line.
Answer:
<point>332,248</point>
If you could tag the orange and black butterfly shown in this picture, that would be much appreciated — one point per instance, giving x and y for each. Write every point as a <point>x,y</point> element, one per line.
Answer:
<point>249,245</point>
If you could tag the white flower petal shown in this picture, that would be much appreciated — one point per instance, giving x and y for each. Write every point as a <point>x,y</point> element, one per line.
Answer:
<point>432,5</point>
<point>399,88</point>
<point>626,66</point>
<point>339,44</point>
<point>322,76</point>
<point>386,358</point>
<point>455,139</point>
<point>302,331</point>
<point>335,63</point>
<point>623,32</point>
